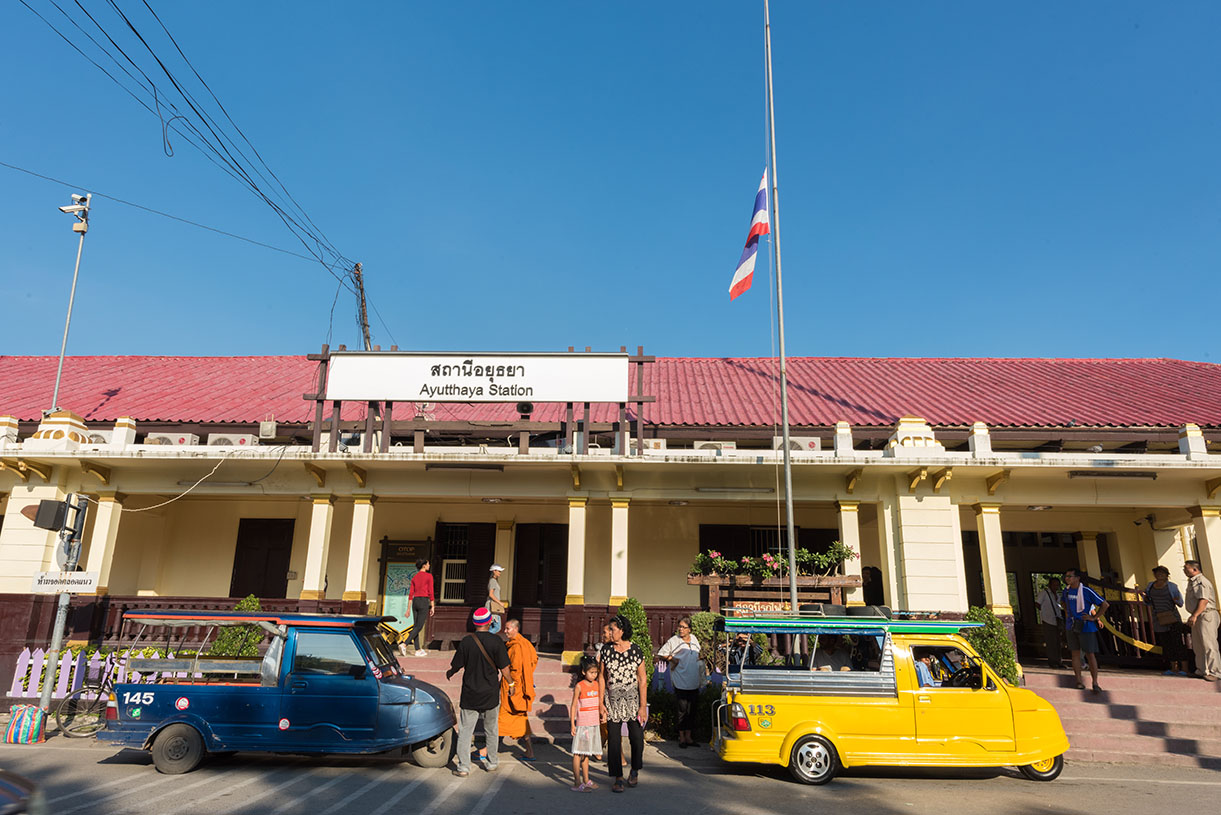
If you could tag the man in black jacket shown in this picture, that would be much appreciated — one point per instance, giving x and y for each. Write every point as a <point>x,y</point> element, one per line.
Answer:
<point>483,660</point>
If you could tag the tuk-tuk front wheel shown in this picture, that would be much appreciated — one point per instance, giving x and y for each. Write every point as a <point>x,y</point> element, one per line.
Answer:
<point>434,752</point>
<point>177,749</point>
<point>814,760</point>
<point>1046,770</point>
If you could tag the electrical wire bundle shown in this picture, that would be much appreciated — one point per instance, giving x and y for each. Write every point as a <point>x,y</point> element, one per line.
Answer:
<point>164,90</point>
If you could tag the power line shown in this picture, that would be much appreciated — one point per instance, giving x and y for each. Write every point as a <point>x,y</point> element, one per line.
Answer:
<point>118,200</point>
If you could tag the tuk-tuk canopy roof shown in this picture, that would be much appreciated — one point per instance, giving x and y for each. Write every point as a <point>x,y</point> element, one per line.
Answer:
<point>839,625</point>
<point>194,617</point>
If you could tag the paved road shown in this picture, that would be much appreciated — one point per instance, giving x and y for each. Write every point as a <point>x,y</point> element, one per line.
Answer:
<point>93,779</point>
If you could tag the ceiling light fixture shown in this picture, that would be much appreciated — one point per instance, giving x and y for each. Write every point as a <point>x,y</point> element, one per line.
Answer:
<point>735,489</point>
<point>1038,508</point>
<point>679,503</point>
<point>492,500</point>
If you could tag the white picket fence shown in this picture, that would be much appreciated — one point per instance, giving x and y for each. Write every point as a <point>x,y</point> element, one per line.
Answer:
<point>74,671</point>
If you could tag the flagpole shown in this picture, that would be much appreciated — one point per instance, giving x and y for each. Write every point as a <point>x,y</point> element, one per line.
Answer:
<point>784,385</point>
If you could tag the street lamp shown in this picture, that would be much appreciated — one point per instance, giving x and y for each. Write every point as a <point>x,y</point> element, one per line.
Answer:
<point>79,208</point>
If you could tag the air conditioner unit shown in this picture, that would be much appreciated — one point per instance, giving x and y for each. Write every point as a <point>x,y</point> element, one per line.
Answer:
<point>232,440</point>
<point>715,445</point>
<point>655,444</point>
<point>800,444</point>
<point>176,439</point>
<point>100,436</point>
<point>267,430</point>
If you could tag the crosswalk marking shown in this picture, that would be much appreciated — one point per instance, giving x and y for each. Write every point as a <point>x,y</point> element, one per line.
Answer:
<point>338,805</point>
<point>491,791</point>
<point>398,796</point>
<point>441,799</point>
<point>295,800</point>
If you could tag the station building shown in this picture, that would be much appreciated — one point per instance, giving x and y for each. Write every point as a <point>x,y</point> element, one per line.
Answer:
<point>961,481</point>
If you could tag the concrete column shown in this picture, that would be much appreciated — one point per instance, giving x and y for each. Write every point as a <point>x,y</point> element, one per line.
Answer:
<point>850,536</point>
<point>504,556</point>
<point>574,602</point>
<point>888,554</point>
<point>1124,548</point>
<point>105,532</point>
<point>1168,551</point>
<point>321,515</point>
<point>930,550</point>
<point>358,551</point>
<point>1207,522</point>
<point>618,567</point>
<point>576,552</point>
<point>1087,553</point>
<point>26,550</point>
<point>992,556</point>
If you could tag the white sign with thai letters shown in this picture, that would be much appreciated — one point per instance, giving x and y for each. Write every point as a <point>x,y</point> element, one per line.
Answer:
<point>70,582</point>
<point>395,377</point>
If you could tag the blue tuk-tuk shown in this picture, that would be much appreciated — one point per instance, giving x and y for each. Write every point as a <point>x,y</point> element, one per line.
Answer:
<point>323,684</point>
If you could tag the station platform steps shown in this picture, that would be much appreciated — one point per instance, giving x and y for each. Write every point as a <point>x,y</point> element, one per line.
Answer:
<point>552,689</point>
<point>1140,717</point>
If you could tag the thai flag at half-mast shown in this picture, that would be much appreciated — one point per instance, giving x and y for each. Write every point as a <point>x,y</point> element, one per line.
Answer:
<point>758,226</point>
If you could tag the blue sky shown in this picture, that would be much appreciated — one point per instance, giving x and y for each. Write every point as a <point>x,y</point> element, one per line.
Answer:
<point>957,178</point>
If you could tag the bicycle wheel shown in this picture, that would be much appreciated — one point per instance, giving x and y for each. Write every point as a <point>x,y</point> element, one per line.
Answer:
<point>82,712</point>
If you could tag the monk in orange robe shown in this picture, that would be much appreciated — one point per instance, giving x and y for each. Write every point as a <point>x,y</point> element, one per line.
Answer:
<point>515,706</point>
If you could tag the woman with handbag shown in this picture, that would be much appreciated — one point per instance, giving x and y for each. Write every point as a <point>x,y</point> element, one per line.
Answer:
<point>1166,600</point>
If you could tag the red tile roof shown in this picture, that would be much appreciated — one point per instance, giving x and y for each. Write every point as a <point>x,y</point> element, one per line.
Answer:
<point>689,391</point>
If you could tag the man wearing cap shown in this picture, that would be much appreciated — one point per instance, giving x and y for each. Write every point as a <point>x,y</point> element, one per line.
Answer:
<point>483,660</point>
<point>494,603</point>
<point>1204,621</point>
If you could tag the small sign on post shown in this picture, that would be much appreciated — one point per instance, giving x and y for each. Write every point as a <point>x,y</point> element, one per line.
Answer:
<point>65,582</point>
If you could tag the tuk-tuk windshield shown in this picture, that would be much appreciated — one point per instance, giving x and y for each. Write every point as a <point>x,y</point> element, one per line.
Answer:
<point>377,646</point>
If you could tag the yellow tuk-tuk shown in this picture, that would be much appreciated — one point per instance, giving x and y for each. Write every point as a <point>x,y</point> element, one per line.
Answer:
<point>875,691</point>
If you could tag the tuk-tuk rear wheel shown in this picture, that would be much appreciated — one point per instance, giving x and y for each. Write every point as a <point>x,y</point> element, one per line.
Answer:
<point>434,752</point>
<point>177,749</point>
<point>813,760</point>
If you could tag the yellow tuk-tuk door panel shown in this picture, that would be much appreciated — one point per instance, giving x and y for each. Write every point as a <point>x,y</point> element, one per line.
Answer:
<point>963,721</point>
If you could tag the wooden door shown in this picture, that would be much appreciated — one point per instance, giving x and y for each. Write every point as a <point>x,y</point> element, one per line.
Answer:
<point>260,560</point>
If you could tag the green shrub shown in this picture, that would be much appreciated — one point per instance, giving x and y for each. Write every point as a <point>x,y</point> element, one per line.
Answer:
<point>634,611</point>
<point>663,713</point>
<point>703,627</point>
<point>993,643</point>
<point>239,640</point>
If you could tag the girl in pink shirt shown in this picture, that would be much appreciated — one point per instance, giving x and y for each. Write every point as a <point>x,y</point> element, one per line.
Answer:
<point>584,718</point>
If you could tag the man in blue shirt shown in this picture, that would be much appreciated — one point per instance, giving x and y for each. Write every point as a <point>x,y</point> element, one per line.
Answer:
<point>924,671</point>
<point>1083,607</point>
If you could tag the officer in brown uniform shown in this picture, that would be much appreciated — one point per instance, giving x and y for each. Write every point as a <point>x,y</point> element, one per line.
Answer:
<point>1204,621</point>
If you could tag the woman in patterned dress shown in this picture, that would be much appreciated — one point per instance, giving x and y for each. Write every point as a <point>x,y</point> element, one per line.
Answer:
<point>623,686</point>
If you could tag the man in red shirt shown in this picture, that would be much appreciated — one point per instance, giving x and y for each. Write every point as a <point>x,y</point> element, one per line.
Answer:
<point>423,604</point>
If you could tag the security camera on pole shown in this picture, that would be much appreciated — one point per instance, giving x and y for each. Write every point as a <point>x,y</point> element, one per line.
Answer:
<point>80,208</point>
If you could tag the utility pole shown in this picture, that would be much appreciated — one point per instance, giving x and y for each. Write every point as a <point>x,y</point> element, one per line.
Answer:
<point>80,208</point>
<point>70,543</point>
<point>359,276</point>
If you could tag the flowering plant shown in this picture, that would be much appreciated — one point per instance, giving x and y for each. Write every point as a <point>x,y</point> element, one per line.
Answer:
<point>722,564</point>
<point>764,566</point>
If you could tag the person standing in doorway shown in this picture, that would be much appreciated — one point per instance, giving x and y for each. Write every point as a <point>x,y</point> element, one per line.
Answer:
<point>423,604</point>
<point>1204,621</point>
<point>1051,616</point>
<point>682,654</point>
<point>495,603</point>
<point>1083,607</point>
<point>623,687</point>
<point>1165,598</point>
<point>484,663</point>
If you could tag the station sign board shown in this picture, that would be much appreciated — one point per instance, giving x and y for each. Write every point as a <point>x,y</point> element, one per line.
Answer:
<point>70,582</point>
<point>477,377</point>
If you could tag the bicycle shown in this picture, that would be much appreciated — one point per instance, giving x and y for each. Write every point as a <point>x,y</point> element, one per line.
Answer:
<point>83,711</point>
